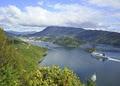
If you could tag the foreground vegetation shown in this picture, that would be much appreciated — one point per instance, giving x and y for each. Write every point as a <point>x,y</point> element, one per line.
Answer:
<point>19,66</point>
<point>29,53</point>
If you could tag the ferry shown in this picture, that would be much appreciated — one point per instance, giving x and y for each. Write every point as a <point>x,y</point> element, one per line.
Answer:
<point>99,56</point>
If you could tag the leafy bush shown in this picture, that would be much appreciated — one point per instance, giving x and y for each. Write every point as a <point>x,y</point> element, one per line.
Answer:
<point>8,77</point>
<point>90,83</point>
<point>54,76</point>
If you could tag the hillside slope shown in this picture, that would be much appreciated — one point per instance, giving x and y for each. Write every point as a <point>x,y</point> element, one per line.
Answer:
<point>94,36</point>
<point>53,31</point>
<point>103,37</point>
<point>19,67</point>
<point>68,41</point>
<point>28,54</point>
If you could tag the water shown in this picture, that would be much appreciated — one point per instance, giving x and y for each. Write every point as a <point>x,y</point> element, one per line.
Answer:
<point>107,73</point>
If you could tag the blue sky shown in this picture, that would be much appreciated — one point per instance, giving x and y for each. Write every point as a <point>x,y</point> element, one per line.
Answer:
<point>23,3</point>
<point>35,15</point>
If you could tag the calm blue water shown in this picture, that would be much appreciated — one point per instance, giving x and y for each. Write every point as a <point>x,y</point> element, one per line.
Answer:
<point>108,72</point>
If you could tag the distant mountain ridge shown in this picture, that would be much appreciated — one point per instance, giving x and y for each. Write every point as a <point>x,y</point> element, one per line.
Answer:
<point>53,31</point>
<point>16,33</point>
<point>95,36</point>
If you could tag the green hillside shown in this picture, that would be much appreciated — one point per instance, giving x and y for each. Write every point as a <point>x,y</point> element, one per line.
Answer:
<point>29,54</point>
<point>90,36</point>
<point>68,41</point>
<point>19,66</point>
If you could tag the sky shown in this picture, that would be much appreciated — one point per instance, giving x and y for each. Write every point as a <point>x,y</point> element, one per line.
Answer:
<point>35,15</point>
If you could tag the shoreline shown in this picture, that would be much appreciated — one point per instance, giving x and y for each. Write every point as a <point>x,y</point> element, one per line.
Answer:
<point>43,56</point>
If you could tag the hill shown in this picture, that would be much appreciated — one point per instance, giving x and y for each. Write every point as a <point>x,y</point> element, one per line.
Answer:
<point>16,33</point>
<point>19,66</point>
<point>68,41</point>
<point>28,54</point>
<point>94,36</point>
<point>102,37</point>
<point>53,31</point>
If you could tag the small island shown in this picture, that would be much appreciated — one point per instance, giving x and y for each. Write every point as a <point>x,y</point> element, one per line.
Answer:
<point>68,41</point>
<point>89,50</point>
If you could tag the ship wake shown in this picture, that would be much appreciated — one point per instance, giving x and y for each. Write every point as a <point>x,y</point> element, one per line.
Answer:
<point>116,60</point>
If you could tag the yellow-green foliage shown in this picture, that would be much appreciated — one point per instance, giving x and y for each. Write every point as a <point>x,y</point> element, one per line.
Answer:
<point>9,76</point>
<point>90,83</point>
<point>9,64</point>
<point>5,56</point>
<point>53,76</point>
<point>29,55</point>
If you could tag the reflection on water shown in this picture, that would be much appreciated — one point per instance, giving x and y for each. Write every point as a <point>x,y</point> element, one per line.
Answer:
<point>108,72</point>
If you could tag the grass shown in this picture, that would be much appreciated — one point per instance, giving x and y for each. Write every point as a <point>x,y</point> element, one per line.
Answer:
<point>29,54</point>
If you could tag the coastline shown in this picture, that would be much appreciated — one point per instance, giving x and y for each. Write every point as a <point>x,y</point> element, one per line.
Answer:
<point>43,57</point>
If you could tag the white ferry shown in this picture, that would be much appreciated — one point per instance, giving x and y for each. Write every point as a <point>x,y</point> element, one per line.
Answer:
<point>99,56</point>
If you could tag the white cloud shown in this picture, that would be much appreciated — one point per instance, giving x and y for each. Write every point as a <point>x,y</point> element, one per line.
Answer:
<point>77,15</point>
<point>41,3</point>
<point>113,4</point>
<point>37,18</point>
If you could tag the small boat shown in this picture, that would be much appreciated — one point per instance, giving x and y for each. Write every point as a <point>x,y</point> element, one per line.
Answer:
<point>99,56</point>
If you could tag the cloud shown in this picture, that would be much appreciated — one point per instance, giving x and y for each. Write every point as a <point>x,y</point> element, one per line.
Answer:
<point>37,18</point>
<point>41,3</point>
<point>113,4</point>
<point>68,15</point>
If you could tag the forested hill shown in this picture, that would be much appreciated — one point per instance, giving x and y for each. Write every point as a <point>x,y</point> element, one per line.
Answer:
<point>53,31</point>
<point>103,37</point>
<point>68,42</point>
<point>95,36</point>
